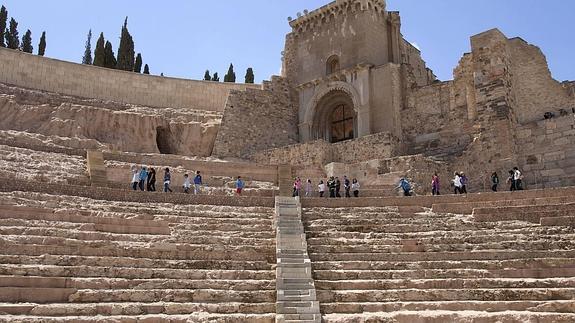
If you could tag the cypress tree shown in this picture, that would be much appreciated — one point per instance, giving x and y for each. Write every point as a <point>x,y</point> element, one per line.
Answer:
<point>230,77</point>
<point>27,42</point>
<point>138,64</point>
<point>250,76</point>
<point>126,50</point>
<point>100,52</point>
<point>12,40</point>
<point>207,76</point>
<point>109,58</point>
<point>216,77</point>
<point>146,69</point>
<point>87,59</point>
<point>3,24</point>
<point>42,44</point>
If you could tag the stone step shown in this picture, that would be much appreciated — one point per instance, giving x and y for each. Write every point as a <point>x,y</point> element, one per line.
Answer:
<point>135,284</point>
<point>136,263</point>
<point>439,246</point>
<point>539,273</point>
<point>116,309</point>
<point>195,317</point>
<point>558,221</point>
<point>390,295</point>
<point>450,316</point>
<point>223,227</point>
<point>479,283</point>
<point>136,273</point>
<point>526,208</point>
<point>528,216</point>
<point>467,207</point>
<point>484,306</point>
<point>436,256</point>
<point>199,253</point>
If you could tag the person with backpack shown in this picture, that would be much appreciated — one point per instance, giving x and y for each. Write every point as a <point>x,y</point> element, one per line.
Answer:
<point>347,186</point>
<point>494,181</point>
<point>331,184</point>
<point>197,183</point>
<point>405,186</point>
<point>457,184</point>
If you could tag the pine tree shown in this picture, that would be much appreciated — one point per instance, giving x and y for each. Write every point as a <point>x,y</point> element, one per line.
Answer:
<point>138,64</point>
<point>3,24</point>
<point>216,77</point>
<point>109,58</point>
<point>230,77</point>
<point>87,59</point>
<point>12,40</point>
<point>207,76</point>
<point>42,44</point>
<point>100,52</point>
<point>250,76</point>
<point>146,69</point>
<point>27,42</point>
<point>126,50</point>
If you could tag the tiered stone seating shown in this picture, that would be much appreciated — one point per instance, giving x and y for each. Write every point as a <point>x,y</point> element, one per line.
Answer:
<point>410,264</point>
<point>72,259</point>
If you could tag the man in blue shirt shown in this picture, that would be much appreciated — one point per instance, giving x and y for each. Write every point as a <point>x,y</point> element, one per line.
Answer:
<point>197,183</point>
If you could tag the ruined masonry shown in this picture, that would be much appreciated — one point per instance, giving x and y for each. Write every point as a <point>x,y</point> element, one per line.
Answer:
<point>78,245</point>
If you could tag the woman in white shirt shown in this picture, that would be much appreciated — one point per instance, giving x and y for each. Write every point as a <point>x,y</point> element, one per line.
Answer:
<point>355,187</point>
<point>321,188</point>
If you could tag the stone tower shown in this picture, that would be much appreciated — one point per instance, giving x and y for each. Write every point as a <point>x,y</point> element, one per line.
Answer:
<point>349,63</point>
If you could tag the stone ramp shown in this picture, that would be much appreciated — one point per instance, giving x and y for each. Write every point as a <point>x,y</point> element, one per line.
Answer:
<point>410,264</point>
<point>61,261</point>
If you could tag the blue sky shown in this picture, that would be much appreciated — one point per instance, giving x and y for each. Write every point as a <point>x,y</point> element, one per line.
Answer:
<point>183,38</point>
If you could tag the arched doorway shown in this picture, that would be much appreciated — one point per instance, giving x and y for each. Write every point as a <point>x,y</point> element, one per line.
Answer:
<point>335,118</point>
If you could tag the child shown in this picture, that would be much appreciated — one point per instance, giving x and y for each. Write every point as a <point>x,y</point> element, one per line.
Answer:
<point>239,185</point>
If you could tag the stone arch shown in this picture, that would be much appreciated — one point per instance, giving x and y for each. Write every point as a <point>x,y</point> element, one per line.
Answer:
<point>332,65</point>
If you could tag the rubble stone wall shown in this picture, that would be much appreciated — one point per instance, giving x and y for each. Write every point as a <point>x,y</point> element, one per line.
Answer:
<point>256,120</point>
<point>37,72</point>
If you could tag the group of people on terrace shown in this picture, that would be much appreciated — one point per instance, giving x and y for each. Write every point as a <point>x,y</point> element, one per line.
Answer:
<point>144,179</point>
<point>333,186</point>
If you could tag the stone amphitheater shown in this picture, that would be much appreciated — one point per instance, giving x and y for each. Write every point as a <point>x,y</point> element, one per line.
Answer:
<point>77,245</point>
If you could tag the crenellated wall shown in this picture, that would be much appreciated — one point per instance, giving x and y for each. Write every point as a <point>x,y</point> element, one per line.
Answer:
<point>41,73</point>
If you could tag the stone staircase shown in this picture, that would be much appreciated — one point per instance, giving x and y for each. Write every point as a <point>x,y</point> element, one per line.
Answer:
<point>72,259</point>
<point>411,264</point>
<point>296,295</point>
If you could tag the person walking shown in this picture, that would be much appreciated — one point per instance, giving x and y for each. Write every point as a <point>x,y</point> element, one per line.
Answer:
<point>331,185</point>
<point>240,184</point>
<point>511,181</point>
<point>151,185</point>
<point>297,187</point>
<point>405,186</point>
<point>464,181</point>
<point>167,180</point>
<point>337,187</point>
<point>435,185</point>
<point>518,176</point>
<point>143,178</point>
<point>347,186</point>
<point>198,183</point>
<point>355,187</point>
<point>494,181</point>
<point>308,188</point>
<point>321,188</point>
<point>457,184</point>
<point>187,184</point>
<point>135,177</point>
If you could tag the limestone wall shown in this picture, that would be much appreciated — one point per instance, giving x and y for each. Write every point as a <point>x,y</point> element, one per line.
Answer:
<point>257,120</point>
<point>36,72</point>
<point>547,150</point>
<point>320,153</point>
